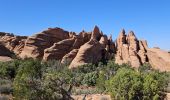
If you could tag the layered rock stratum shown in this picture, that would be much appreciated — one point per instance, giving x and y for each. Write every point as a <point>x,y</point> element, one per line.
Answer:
<point>83,48</point>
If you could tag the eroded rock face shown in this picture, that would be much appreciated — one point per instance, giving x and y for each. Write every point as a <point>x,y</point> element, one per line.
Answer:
<point>90,52</point>
<point>58,50</point>
<point>159,59</point>
<point>132,41</point>
<point>13,43</point>
<point>142,52</point>
<point>130,50</point>
<point>104,41</point>
<point>68,58</point>
<point>96,34</point>
<point>93,51</point>
<point>36,44</point>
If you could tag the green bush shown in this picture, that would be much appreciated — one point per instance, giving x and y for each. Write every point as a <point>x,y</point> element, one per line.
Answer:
<point>9,69</point>
<point>42,81</point>
<point>154,83</point>
<point>90,79</point>
<point>144,68</point>
<point>85,68</point>
<point>55,87</point>
<point>125,85</point>
<point>129,84</point>
<point>28,79</point>
<point>35,80</point>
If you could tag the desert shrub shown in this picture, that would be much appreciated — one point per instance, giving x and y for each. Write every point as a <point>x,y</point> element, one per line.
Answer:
<point>6,89</point>
<point>28,79</point>
<point>55,87</point>
<point>101,82</point>
<point>90,79</point>
<point>106,72</point>
<point>154,84</point>
<point>9,69</point>
<point>85,68</point>
<point>129,84</point>
<point>85,75</point>
<point>84,90</point>
<point>38,80</point>
<point>125,85</point>
<point>6,86</point>
<point>168,87</point>
<point>77,78</point>
<point>144,68</point>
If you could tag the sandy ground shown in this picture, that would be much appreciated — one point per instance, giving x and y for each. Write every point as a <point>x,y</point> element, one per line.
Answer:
<point>92,97</point>
<point>5,97</point>
<point>5,58</point>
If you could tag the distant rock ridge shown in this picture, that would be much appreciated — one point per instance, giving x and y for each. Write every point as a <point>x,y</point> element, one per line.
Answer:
<point>85,47</point>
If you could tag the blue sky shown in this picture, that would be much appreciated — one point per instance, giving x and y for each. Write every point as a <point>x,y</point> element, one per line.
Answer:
<point>149,19</point>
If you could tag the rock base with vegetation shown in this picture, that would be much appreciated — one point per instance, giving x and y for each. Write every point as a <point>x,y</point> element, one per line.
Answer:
<point>31,79</point>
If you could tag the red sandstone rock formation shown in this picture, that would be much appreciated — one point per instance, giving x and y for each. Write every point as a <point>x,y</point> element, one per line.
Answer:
<point>159,59</point>
<point>13,43</point>
<point>36,44</point>
<point>85,47</point>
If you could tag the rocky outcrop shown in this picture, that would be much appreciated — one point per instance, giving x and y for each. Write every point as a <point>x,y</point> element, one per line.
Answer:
<point>12,42</point>
<point>68,58</point>
<point>83,48</point>
<point>90,52</point>
<point>104,40</point>
<point>159,59</point>
<point>96,34</point>
<point>61,48</point>
<point>130,50</point>
<point>58,50</point>
<point>36,44</point>
<point>142,51</point>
